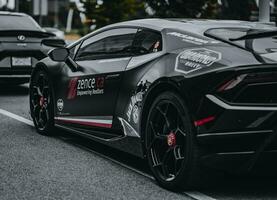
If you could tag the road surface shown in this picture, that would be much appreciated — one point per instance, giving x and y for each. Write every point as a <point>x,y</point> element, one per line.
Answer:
<point>67,166</point>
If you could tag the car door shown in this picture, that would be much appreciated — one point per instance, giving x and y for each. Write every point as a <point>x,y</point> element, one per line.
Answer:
<point>93,88</point>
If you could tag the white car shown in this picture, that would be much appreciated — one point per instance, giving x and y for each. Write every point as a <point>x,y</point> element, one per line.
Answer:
<point>57,32</point>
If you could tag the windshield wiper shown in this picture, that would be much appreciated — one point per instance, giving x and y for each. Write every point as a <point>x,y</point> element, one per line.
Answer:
<point>255,35</point>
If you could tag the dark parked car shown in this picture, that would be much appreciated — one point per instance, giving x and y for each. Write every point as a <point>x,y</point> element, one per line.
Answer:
<point>185,94</point>
<point>22,44</point>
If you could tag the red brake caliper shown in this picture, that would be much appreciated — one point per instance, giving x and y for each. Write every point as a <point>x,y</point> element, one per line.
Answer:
<point>41,101</point>
<point>171,139</point>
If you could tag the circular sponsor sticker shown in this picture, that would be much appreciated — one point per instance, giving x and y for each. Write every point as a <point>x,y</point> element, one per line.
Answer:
<point>193,59</point>
<point>60,104</point>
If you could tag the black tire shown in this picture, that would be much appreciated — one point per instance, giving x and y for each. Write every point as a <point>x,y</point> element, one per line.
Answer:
<point>174,165</point>
<point>41,103</point>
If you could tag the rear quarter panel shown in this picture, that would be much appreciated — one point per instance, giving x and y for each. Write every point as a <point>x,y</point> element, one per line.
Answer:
<point>191,83</point>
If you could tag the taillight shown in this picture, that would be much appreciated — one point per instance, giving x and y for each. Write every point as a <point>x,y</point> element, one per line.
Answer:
<point>204,121</point>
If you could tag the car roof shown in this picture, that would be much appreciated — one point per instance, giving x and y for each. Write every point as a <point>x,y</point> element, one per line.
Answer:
<point>197,26</point>
<point>13,14</point>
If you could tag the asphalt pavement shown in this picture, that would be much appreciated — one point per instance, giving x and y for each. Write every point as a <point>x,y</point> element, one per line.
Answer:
<point>67,166</point>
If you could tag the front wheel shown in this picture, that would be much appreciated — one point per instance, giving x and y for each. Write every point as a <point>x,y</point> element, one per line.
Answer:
<point>41,103</point>
<point>172,152</point>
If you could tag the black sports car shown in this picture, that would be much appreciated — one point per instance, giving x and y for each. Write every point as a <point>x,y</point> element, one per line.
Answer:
<point>182,93</point>
<point>22,43</point>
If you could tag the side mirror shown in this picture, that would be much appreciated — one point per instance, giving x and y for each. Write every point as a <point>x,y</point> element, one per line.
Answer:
<point>59,54</point>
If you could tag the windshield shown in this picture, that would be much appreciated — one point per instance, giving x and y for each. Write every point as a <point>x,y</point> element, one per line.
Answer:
<point>11,22</point>
<point>262,46</point>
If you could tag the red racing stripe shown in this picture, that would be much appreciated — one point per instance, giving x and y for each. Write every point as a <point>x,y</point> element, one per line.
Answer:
<point>95,124</point>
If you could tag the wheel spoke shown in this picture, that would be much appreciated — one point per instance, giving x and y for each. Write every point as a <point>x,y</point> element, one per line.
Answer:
<point>36,114</point>
<point>46,102</point>
<point>162,138</point>
<point>160,110</point>
<point>181,132</point>
<point>40,119</point>
<point>42,82</point>
<point>156,163</point>
<point>37,88</point>
<point>34,103</point>
<point>36,121</point>
<point>35,92</point>
<point>178,129</point>
<point>164,162</point>
<point>151,144</point>
<point>35,110</point>
<point>167,122</point>
<point>166,155</point>
<point>165,170</point>
<point>46,114</point>
<point>177,153</point>
<point>163,113</point>
<point>166,109</point>
<point>153,128</point>
<point>45,90</point>
<point>156,137</point>
<point>177,158</point>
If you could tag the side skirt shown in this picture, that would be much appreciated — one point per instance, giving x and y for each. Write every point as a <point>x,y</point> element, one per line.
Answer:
<point>124,143</point>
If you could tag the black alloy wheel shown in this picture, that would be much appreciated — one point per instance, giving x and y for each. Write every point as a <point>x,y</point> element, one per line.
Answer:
<point>169,142</point>
<point>41,103</point>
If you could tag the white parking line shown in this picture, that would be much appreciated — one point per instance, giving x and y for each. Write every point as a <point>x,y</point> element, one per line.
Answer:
<point>198,195</point>
<point>16,117</point>
<point>193,194</point>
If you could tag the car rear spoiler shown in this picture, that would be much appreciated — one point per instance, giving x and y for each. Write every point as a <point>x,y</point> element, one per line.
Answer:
<point>29,33</point>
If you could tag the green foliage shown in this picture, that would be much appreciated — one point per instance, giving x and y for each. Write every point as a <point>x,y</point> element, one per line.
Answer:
<point>104,12</point>
<point>210,10</point>
<point>112,11</point>
<point>183,8</point>
<point>237,9</point>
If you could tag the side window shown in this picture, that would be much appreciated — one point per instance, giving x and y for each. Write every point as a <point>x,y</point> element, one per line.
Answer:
<point>113,43</point>
<point>147,41</point>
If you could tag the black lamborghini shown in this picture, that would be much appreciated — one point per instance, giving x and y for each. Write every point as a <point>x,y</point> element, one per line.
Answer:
<point>182,93</point>
<point>22,44</point>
